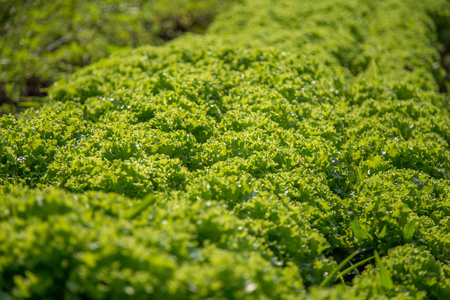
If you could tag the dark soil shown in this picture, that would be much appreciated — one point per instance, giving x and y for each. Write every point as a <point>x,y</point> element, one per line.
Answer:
<point>445,60</point>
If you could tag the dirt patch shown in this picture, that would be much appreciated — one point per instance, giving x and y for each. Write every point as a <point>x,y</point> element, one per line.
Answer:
<point>445,60</point>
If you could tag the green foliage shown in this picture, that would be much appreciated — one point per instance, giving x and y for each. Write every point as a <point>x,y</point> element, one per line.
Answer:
<point>253,162</point>
<point>55,244</point>
<point>42,41</point>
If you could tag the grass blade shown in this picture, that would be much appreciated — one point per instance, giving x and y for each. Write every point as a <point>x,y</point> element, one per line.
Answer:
<point>385,277</point>
<point>148,200</point>
<point>356,265</point>
<point>339,267</point>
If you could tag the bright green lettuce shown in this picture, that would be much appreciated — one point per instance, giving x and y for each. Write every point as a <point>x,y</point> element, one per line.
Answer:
<point>245,163</point>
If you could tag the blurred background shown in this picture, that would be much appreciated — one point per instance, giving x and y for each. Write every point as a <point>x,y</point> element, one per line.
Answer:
<point>44,40</point>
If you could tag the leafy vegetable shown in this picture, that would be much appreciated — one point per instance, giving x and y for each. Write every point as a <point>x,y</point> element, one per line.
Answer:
<point>251,162</point>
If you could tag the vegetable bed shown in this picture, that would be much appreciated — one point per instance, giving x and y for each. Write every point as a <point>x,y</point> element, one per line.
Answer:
<point>298,150</point>
<point>43,40</point>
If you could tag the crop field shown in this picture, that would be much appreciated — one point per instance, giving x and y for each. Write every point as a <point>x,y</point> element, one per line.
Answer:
<point>298,149</point>
<point>43,40</point>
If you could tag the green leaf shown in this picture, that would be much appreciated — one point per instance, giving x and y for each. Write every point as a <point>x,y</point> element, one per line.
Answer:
<point>428,189</point>
<point>10,154</point>
<point>357,230</point>
<point>408,231</point>
<point>383,232</point>
<point>374,162</point>
<point>35,144</point>
<point>336,175</point>
<point>393,152</point>
<point>385,277</point>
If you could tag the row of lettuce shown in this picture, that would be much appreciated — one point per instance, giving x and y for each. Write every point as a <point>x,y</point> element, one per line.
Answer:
<point>42,41</point>
<point>250,162</point>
